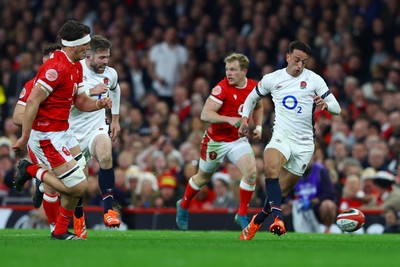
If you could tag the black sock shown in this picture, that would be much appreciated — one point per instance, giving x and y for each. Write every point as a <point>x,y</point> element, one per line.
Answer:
<point>79,208</point>
<point>274,195</point>
<point>106,184</point>
<point>264,213</point>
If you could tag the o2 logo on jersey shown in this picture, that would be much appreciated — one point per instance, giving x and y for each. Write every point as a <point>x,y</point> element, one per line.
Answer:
<point>290,102</point>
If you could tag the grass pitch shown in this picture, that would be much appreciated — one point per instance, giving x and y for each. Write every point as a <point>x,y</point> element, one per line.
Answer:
<point>197,248</point>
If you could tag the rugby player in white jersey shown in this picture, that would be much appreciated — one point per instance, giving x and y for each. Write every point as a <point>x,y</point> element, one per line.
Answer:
<point>94,135</point>
<point>296,92</point>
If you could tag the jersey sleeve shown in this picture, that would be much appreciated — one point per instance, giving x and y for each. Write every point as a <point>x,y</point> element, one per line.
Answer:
<point>25,92</point>
<point>218,93</point>
<point>321,88</point>
<point>264,86</point>
<point>50,75</point>
<point>114,79</point>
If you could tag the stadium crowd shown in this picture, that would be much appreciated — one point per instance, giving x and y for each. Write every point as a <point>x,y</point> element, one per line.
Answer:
<point>356,49</point>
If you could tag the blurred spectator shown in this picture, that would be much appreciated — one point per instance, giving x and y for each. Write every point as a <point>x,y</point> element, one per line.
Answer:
<point>353,195</point>
<point>147,190</point>
<point>204,199</point>
<point>222,188</point>
<point>167,198</point>
<point>388,191</point>
<point>132,175</point>
<point>314,200</point>
<point>182,104</point>
<point>167,62</point>
<point>392,222</point>
<point>139,78</point>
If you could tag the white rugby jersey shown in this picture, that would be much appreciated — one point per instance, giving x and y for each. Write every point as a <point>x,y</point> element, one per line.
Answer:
<point>82,123</point>
<point>294,101</point>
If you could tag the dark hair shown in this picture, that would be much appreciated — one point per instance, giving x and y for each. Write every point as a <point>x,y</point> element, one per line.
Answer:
<point>299,46</point>
<point>99,43</point>
<point>50,48</point>
<point>73,30</point>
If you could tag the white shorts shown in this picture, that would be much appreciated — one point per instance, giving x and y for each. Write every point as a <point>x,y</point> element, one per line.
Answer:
<point>51,148</point>
<point>298,153</point>
<point>213,153</point>
<point>87,141</point>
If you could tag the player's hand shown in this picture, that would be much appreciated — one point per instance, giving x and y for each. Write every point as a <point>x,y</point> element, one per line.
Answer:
<point>257,133</point>
<point>320,102</point>
<point>20,146</point>
<point>105,103</point>
<point>99,89</point>
<point>235,122</point>
<point>115,129</point>
<point>244,127</point>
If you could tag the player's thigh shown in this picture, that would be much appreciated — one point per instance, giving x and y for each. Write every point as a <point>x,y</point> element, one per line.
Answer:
<point>207,168</point>
<point>75,180</point>
<point>212,151</point>
<point>50,149</point>
<point>276,153</point>
<point>300,157</point>
<point>239,149</point>
<point>100,145</point>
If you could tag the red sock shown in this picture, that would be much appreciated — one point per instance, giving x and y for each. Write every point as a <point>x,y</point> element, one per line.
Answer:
<point>32,170</point>
<point>51,205</point>
<point>189,194</point>
<point>36,171</point>
<point>63,220</point>
<point>245,197</point>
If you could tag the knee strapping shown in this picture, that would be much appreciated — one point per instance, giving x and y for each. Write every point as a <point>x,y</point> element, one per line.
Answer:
<point>80,159</point>
<point>73,178</point>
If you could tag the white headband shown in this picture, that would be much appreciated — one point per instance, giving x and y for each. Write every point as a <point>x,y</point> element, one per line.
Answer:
<point>81,41</point>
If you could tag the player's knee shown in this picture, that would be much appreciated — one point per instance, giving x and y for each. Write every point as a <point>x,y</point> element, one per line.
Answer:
<point>272,171</point>
<point>76,182</point>
<point>105,160</point>
<point>250,177</point>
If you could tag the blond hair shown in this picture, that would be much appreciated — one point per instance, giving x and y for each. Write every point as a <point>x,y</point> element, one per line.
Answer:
<point>242,59</point>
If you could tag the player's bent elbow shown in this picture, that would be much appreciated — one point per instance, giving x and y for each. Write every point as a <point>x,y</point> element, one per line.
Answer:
<point>17,121</point>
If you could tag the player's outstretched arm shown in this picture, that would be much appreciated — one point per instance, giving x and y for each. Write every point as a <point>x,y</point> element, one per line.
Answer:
<point>88,104</point>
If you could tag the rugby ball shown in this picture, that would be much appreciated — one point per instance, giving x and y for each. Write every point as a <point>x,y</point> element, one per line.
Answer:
<point>350,220</point>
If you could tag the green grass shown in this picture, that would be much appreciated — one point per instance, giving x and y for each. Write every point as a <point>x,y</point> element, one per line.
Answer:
<point>197,248</point>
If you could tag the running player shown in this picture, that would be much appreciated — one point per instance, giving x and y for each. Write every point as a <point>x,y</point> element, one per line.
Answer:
<point>296,92</point>
<point>45,128</point>
<point>91,130</point>
<point>223,110</point>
